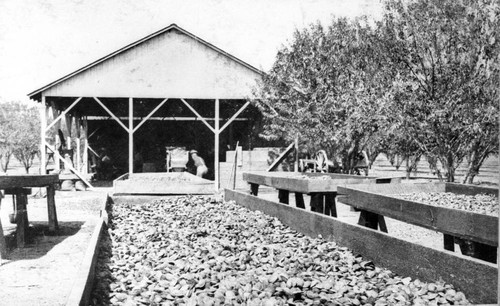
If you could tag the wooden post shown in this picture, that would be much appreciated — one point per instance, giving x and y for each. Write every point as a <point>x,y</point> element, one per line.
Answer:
<point>51,208</point>
<point>296,164</point>
<point>43,123</point>
<point>130,135</point>
<point>78,144</point>
<point>216,146</point>
<point>85,147</point>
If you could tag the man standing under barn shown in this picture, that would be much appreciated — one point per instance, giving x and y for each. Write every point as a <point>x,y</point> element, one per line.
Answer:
<point>199,163</point>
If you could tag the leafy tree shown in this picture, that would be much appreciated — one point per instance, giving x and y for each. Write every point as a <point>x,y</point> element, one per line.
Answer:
<point>447,57</point>
<point>323,88</point>
<point>8,134</point>
<point>20,133</point>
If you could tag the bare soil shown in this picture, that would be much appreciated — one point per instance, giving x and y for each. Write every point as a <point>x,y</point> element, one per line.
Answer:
<point>43,272</point>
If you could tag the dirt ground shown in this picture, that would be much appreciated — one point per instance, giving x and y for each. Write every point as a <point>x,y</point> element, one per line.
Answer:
<point>43,272</point>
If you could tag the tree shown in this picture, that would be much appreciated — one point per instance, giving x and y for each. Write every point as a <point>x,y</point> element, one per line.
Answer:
<point>323,88</point>
<point>8,133</point>
<point>446,89</point>
<point>20,132</point>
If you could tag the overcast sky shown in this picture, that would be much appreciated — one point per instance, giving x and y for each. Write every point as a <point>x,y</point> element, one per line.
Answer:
<point>43,40</point>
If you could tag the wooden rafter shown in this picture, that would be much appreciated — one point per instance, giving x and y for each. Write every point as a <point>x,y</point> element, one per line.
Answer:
<point>150,114</point>
<point>111,113</point>
<point>71,167</point>
<point>234,116</point>
<point>62,114</point>
<point>199,116</point>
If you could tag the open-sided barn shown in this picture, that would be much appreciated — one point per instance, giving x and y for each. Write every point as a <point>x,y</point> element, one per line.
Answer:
<point>169,88</point>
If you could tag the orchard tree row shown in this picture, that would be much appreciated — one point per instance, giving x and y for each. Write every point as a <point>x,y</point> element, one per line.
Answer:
<point>19,134</point>
<point>421,81</point>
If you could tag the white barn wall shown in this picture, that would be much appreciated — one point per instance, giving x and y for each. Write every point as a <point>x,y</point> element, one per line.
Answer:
<point>172,65</point>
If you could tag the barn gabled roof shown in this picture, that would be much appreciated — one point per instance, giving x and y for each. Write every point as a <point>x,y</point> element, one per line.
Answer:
<point>36,95</point>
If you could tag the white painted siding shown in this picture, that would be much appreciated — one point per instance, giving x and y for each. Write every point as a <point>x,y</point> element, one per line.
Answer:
<point>170,65</point>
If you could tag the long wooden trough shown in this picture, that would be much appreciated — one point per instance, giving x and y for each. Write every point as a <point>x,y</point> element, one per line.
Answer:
<point>162,183</point>
<point>476,227</point>
<point>322,187</point>
<point>476,278</point>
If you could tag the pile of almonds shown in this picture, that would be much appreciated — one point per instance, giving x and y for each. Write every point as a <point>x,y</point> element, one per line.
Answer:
<point>201,251</point>
<point>479,203</point>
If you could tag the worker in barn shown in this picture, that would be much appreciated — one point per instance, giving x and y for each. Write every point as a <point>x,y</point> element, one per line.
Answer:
<point>199,163</point>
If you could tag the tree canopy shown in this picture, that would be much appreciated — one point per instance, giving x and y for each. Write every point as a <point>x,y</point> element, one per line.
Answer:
<point>422,81</point>
<point>19,134</point>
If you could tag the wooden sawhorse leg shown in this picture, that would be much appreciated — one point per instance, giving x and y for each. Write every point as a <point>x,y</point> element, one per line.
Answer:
<point>299,200</point>
<point>330,206</point>
<point>317,202</point>
<point>254,189</point>
<point>283,196</point>
<point>51,207</point>
<point>372,220</point>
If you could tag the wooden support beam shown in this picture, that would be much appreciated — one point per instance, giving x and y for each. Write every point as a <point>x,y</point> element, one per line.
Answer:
<point>70,167</point>
<point>111,114</point>
<point>63,113</point>
<point>43,129</point>
<point>150,114</point>
<point>216,145</point>
<point>296,147</point>
<point>85,146</point>
<point>93,151</point>
<point>234,116</point>
<point>130,135</point>
<point>281,157</point>
<point>200,117</point>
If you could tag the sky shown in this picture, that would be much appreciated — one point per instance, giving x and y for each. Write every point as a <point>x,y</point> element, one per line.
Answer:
<point>43,40</point>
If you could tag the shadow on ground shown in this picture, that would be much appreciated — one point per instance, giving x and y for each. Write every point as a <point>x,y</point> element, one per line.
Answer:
<point>40,240</point>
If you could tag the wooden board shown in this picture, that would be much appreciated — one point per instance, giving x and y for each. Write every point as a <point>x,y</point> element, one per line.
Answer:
<point>305,182</point>
<point>478,227</point>
<point>13,181</point>
<point>162,183</point>
<point>477,279</point>
<point>470,189</point>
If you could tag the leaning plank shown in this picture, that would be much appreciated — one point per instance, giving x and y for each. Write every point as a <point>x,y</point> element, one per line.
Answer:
<point>13,181</point>
<point>477,227</point>
<point>477,279</point>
